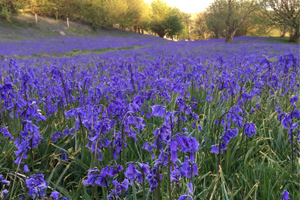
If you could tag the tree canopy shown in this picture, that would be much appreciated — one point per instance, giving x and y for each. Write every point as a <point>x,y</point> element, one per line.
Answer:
<point>165,20</point>
<point>285,13</point>
<point>222,19</point>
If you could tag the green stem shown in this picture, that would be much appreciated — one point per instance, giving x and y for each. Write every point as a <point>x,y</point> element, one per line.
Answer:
<point>13,186</point>
<point>65,91</point>
<point>32,156</point>
<point>292,139</point>
<point>169,162</point>
<point>157,170</point>
<point>123,153</point>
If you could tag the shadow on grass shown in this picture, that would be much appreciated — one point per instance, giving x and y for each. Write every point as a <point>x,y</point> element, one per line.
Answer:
<point>283,40</point>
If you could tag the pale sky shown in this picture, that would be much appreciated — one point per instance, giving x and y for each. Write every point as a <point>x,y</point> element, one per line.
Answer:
<point>188,6</point>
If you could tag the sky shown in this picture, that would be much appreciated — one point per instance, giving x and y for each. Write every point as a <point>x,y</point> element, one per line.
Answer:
<point>188,6</point>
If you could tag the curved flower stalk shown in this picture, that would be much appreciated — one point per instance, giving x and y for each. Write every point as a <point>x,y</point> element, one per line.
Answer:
<point>28,140</point>
<point>133,174</point>
<point>229,133</point>
<point>225,138</point>
<point>167,145</point>
<point>287,120</point>
<point>107,178</point>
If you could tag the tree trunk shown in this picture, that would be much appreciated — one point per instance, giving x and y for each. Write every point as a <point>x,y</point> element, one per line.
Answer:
<point>295,37</point>
<point>232,28</point>
<point>283,31</point>
<point>229,39</point>
<point>7,17</point>
<point>161,33</point>
<point>189,33</point>
<point>295,34</point>
<point>228,29</point>
<point>229,35</point>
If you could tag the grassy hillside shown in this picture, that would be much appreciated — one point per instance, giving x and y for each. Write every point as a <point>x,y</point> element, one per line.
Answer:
<point>24,27</point>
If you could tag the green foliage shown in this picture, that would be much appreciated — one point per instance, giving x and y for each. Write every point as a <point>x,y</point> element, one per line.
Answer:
<point>173,25</point>
<point>97,13</point>
<point>200,30</point>
<point>211,23</point>
<point>285,13</point>
<point>165,20</point>
<point>186,23</point>
<point>9,7</point>
<point>215,17</point>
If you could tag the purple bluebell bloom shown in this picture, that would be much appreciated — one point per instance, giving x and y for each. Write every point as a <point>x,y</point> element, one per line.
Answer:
<point>285,195</point>
<point>36,185</point>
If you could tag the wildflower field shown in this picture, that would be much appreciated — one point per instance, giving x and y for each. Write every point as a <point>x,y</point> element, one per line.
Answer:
<point>140,118</point>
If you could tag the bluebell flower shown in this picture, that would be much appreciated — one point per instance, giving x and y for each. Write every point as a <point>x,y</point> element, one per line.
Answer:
<point>173,149</point>
<point>185,197</point>
<point>296,114</point>
<point>92,177</point>
<point>250,129</point>
<point>294,99</point>
<point>131,172</point>
<point>162,160</point>
<point>5,182</point>
<point>186,169</point>
<point>151,177</point>
<point>55,195</point>
<point>286,122</point>
<point>158,111</point>
<point>55,136</point>
<point>144,171</point>
<point>147,146</point>
<point>208,98</point>
<point>285,195</point>
<point>26,169</point>
<point>119,187</point>
<point>36,185</point>
<point>191,188</point>
<point>64,156</point>
<point>3,193</point>
<point>229,134</point>
<point>6,134</point>
<point>215,149</point>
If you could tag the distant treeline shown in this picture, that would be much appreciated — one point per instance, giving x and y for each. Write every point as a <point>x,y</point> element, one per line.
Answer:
<point>223,18</point>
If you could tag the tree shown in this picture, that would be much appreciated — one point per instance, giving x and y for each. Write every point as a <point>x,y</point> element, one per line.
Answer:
<point>186,22</point>
<point>201,30</point>
<point>286,13</point>
<point>214,18</point>
<point>159,12</point>
<point>9,7</point>
<point>143,22</point>
<point>173,25</point>
<point>165,20</point>
<point>133,15</point>
<point>115,11</point>
<point>238,12</point>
